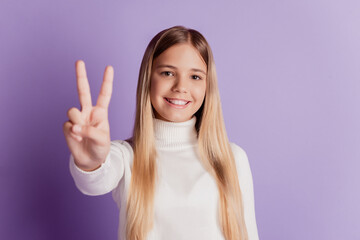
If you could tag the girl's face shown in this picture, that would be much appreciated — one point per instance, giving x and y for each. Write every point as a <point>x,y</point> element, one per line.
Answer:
<point>178,83</point>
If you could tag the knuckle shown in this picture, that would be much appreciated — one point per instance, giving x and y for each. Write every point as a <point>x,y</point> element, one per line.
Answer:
<point>71,112</point>
<point>66,126</point>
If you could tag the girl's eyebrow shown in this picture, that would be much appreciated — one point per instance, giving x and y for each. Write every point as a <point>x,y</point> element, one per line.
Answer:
<point>173,67</point>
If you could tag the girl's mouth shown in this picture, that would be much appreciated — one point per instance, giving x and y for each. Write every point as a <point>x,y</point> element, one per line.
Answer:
<point>177,103</point>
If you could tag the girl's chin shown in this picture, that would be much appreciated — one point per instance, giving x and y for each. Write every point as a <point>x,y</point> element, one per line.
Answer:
<point>175,119</point>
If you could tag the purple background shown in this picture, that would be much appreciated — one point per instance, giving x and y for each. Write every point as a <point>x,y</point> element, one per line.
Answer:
<point>289,79</point>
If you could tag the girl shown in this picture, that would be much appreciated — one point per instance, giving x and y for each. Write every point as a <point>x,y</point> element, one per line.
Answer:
<point>178,176</point>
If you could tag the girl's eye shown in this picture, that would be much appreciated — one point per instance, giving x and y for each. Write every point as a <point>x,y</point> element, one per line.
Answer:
<point>166,73</point>
<point>197,77</point>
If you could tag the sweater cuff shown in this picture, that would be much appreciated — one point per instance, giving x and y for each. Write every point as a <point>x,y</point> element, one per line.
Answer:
<point>97,171</point>
<point>91,183</point>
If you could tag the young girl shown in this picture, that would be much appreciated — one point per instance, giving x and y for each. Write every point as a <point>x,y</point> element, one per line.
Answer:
<point>178,177</point>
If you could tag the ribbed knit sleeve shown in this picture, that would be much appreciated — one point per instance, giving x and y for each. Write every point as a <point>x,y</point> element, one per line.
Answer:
<point>247,190</point>
<point>104,179</point>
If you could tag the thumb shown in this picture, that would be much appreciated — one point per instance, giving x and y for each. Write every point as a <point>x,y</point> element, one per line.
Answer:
<point>90,132</point>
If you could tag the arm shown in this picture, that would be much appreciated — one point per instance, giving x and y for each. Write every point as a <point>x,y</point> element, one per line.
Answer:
<point>105,178</point>
<point>247,190</point>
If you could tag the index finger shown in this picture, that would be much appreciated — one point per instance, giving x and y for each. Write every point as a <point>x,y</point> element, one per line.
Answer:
<point>106,88</point>
<point>83,85</point>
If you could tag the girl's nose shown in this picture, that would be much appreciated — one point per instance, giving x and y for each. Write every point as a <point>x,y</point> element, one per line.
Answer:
<point>180,84</point>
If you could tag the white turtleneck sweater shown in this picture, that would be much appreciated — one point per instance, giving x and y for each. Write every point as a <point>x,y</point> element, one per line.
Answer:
<point>186,199</point>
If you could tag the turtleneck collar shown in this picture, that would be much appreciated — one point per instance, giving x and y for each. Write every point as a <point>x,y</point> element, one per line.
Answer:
<point>175,135</point>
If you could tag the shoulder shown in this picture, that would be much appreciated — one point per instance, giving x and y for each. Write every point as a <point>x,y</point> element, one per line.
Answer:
<point>238,151</point>
<point>241,160</point>
<point>240,155</point>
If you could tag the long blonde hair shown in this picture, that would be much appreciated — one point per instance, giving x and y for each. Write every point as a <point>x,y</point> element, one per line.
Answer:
<point>214,148</point>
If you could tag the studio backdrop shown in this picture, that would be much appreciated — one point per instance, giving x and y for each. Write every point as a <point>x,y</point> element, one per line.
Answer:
<point>289,83</point>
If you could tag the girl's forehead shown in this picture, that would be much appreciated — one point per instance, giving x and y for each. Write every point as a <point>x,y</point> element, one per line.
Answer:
<point>180,56</point>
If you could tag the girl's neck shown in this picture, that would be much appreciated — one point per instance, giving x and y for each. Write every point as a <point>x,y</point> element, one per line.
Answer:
<point>175,135</point>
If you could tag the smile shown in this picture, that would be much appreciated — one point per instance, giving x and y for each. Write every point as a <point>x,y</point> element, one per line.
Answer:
<point>180,104</point>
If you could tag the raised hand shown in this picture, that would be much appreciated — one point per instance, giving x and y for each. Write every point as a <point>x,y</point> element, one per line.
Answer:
<point>87,132</point>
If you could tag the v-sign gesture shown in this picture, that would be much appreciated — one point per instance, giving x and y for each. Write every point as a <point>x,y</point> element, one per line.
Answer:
<point>87,132</point>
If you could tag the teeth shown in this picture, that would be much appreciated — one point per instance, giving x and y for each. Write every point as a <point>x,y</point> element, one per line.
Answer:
<point>177,102</point>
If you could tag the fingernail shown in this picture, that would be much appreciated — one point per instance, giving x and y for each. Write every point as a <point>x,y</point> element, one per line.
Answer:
<point>77,128</point>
